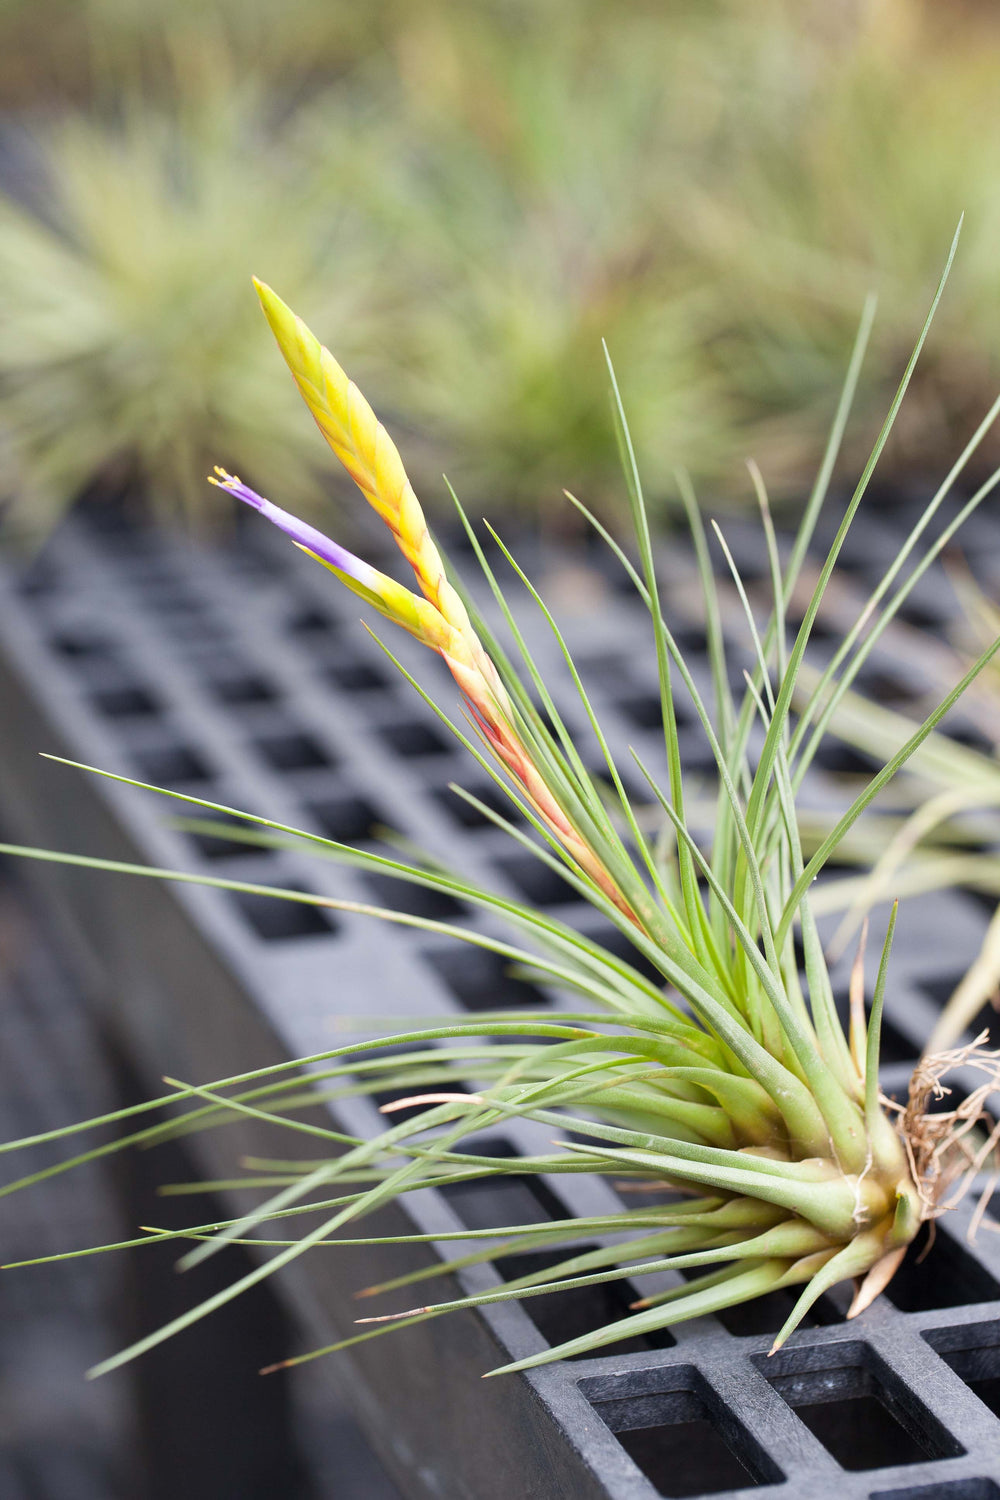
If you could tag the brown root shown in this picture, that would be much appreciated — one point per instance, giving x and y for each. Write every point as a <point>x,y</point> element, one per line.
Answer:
<point>948,1149</point>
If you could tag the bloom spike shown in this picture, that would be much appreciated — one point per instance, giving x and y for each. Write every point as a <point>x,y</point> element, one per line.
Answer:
<point>365,449</point>
<point>439,619</point>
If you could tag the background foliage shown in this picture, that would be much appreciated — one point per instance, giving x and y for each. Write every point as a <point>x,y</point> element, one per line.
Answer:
<point>465,198</point>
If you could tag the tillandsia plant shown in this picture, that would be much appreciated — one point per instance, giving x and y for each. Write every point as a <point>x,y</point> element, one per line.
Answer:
<point>727,1080</point>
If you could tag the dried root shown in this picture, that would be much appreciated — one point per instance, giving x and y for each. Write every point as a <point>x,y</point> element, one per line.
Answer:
<point>949,1149</point>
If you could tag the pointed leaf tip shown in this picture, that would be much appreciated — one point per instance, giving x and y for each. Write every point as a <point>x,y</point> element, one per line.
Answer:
<point>278,314</point>
<point>265,293</point>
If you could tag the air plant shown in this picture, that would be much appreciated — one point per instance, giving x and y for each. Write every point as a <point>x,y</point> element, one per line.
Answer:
<point>728,1078</point>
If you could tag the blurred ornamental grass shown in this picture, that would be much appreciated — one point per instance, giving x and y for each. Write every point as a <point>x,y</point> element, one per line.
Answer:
<point>128,361</point>
<point>714,192</point>
<point>125,348</point>
<point>728,1081</point>
<point>534,183</point>
<point>860,138</point>
<point>467,198</point>
<point>87,53</point>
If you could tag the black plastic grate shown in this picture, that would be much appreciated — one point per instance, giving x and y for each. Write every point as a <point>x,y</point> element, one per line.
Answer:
<point>307,722</point>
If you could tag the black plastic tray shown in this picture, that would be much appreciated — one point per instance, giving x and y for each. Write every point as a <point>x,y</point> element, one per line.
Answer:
<point>242,672</point>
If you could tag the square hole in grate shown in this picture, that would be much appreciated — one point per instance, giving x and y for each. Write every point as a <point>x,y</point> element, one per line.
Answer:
<point>212,846</point>
<point>311,623</point>
<point>82,646</point>
<point>856,1406</point>
<point>610,669</point>
<point>675,1428</point>
<point>621,583</point>
<point>127,700</point>
<point>845,760</point>
<point>481,980</point>
<point>645,712</point>
<point>417,900</point>
<point>170,765</point>
<point>238,688</point>
<point>537,882</point>
<point>943,1489</point>
<point>738,664</point>
<point>467,816</point>
<point>887,687</point>
<point>948,1276</point>
<point>641,1193</point>
<point>356,677</point>
<point>769,1313</point>
<point>348,819</point>
<point>974,1355</point>
<point>561,1316</point>
<point>925,616</point>
<point>413,739</point>
<point>820,630</point>
<point>292,752</point>
<point>963,732</point>
<point>695,753</point>
<point>495,1202</point>
<point>276,920</point>
<point>111,518</point>
<point>895,1046</point>
<point>985,901</point>
<point>949,1100</point>
<point>691,640</point>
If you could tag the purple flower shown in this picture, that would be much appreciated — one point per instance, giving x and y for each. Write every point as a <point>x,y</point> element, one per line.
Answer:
<point>303,535</point>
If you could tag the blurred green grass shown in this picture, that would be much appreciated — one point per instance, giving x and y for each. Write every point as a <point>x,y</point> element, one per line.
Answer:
<point>464,199</point>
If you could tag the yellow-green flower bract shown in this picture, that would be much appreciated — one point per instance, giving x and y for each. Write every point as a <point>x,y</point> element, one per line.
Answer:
<point>371,458</point>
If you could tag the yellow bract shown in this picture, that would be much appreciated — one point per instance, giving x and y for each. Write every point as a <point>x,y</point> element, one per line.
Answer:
<point>365,449</point>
